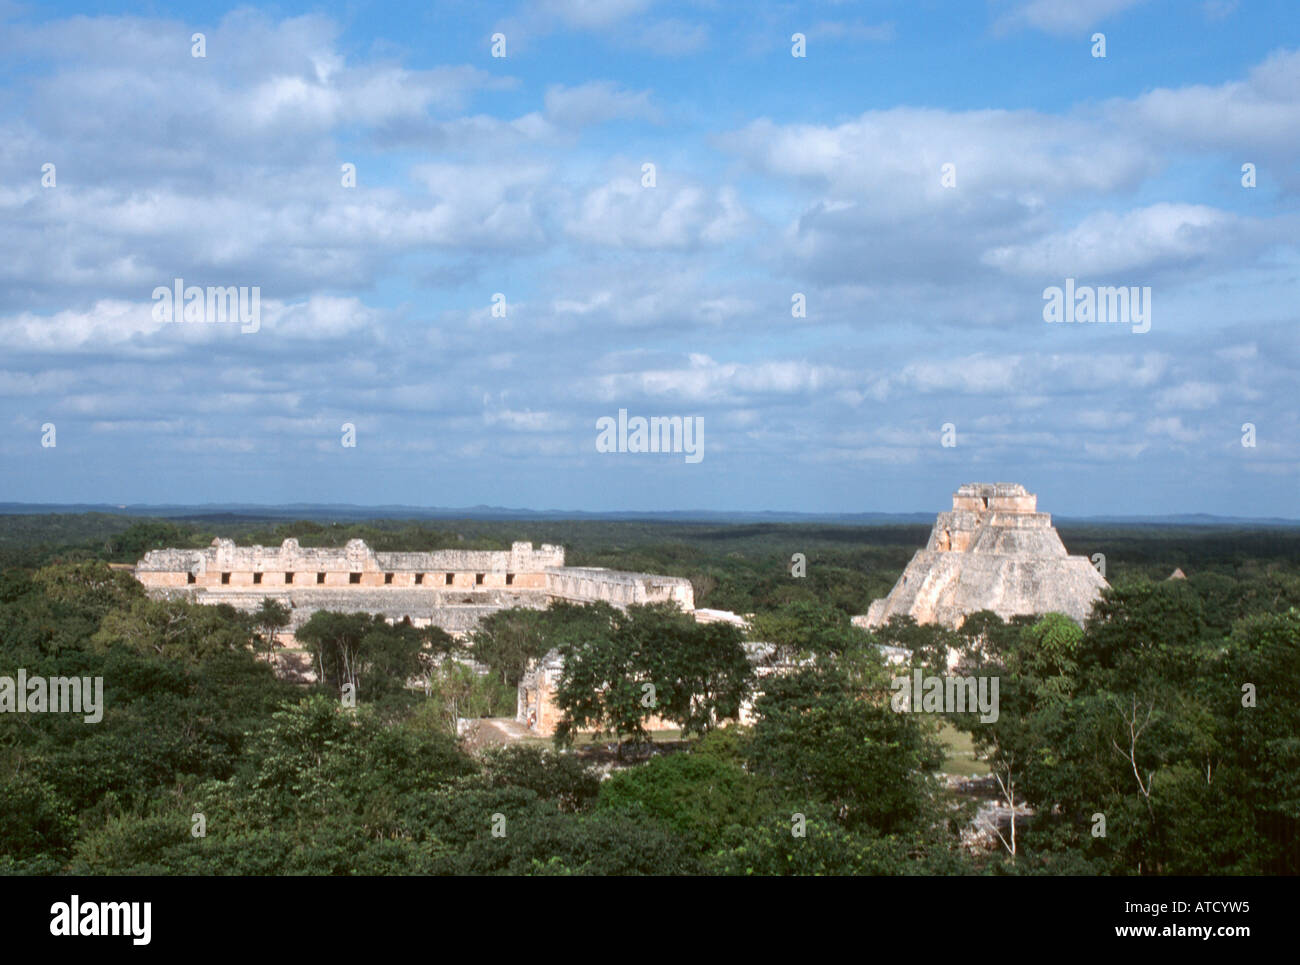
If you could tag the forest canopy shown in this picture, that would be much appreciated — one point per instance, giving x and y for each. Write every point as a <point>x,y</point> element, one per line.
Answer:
<point>1170,713</point>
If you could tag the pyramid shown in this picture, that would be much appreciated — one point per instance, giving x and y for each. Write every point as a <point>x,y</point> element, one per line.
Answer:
<point>992,551</point>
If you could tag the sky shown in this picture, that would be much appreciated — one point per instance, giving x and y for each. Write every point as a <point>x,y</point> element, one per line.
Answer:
<point>505,273</point>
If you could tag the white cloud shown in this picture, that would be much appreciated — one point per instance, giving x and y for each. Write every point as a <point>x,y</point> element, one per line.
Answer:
<point>594,14</point>
<point>1173,428</point>
<point>114,326</point>
<point>106,324</point>
<point>622,213</point>
<point>703,380</point>
<point>923,301</point>
<point>595,103</point>
<point>1258,113</point>
<point>893,157</point>
<point>669,37</point>
<point>526,421</point>
<point>851,30</point>
<point>1189,395</point>
<point>1108,242</point>
<point>1062,16</point>
<point>975,374</point>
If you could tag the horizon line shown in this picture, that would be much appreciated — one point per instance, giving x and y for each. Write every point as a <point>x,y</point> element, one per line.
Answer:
<point>482,509</point>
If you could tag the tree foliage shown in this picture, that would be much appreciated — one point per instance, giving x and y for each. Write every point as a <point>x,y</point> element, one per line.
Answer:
<point>652,661</point>
<point>1172,713</point>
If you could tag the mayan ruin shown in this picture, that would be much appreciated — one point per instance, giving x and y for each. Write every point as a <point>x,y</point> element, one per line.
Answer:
<point>450,589</point>
<point>992,551</point>
<point>557,438</point>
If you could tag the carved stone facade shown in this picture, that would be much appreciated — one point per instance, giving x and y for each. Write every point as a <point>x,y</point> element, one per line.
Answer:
<point>535,702</point>
<point>992,551</point>
<point>452,589</point>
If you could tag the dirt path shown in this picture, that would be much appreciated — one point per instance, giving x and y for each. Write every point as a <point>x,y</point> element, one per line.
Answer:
<point>492,731</point>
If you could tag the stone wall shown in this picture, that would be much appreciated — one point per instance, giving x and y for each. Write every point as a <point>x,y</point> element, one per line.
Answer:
<point>289,565</point>
<point>981,497</point>
<point>452,589</point>
<point>456,612</point>
<point>535,705</point>
<point>586,584</point>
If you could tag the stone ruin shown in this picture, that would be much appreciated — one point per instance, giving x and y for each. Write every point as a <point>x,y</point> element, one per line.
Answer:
<point>992,551</point>
<point>451,589</point>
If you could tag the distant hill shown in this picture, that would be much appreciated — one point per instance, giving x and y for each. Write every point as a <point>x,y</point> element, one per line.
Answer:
<point>245,512</point>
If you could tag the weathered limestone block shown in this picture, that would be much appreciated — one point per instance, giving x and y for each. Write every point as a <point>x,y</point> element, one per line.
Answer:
<point>534,701</point>
<point>617,587</point>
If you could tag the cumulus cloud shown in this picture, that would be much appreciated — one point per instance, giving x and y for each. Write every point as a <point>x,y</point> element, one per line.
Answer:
<point>894,157</point>
<point>923,300</point>
<point>1257,113</point>
<point>702,380</point>
<point>1108,242</point>
<point>625,214</point>
<point>132,328</point>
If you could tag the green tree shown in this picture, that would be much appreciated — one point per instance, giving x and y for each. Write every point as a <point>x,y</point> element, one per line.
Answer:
<point>827,847</point>
<point>355,648</point>
<point>553,776</point>
<point>268,620</point>
<point>652,661</point>
<point>804,628</point>
<point>91,585</point>
<point>600,686</point>
<point>828,733</point>
<point>507,640</point>
<point>697,795</point>
<point>700,671</point>
<point>35,821</point>
<point>929,643</point>
<point>175,629</point>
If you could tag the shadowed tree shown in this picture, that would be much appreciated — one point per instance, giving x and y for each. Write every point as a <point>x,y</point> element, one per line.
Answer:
<point>268,620</point>
<point>507,640</point>
<point>356,648</point>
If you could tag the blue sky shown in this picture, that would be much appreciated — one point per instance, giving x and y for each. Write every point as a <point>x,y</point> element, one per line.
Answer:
<point>775,175</point>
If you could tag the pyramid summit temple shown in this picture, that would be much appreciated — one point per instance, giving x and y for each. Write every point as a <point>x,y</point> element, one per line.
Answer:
<point>992,551</point>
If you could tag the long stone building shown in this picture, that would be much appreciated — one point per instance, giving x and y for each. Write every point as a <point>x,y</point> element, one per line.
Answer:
<point>992,551</point>
<point>452,589</point>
